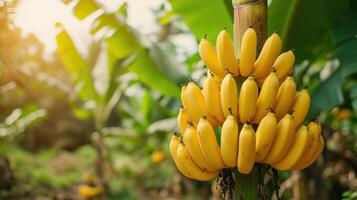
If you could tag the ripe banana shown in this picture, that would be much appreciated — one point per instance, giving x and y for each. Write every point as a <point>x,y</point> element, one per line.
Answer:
<point>248,52</point>
<point>270,51</point>
<point>247,100</point>
<point>229,141</point>
<point>174,143</point>
<point>184,98</point>
<point>217,78</point>
<point>265,136</point>
<point>185,160</point>
<point>209,57</point>
<point>283,65</point>
<point>209,145</point>
<point>213,99</point>
<point>284,137</point>
<point>299,148</point>
<point>315,154</point>
<point>266,97</point>
<point>285,97</point>
<point>198,105</point>
<point>301,106</point>
<point>225,51</point>
<point>229,96</point>
<point>246,151</point>
<point>182,120</point>
<point>194,149</point>
<point>315,130</point>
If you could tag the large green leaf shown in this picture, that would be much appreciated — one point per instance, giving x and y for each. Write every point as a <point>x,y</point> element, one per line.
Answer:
<point>329,93</point>
<point>76,65</point>
<point>148,73</point>
<point>302,27</point>
<point>205,17</point>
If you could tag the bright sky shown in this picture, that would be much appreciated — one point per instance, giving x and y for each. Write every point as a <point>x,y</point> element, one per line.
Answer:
<point>39,17</point>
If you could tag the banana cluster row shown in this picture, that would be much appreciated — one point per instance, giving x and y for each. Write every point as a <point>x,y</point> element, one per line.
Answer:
<point>257,106</point>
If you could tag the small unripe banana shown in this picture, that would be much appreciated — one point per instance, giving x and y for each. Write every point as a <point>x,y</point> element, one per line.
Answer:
<point>185,160</point>
<point>212,97</point>
<point>247,100</point>
<point>182,120</point>
<point>268,55</point>
<point>285,97</point>
<point>246,151</point>
<point>209,145</point>
<point>284,137</point>
<point>229,141</point>
<point>225,51</point>
<point>301,106</point>
<point>283,65</point>
<point>209,57</point>
<point>267,96</point>
<point>265,136</point>
<point>298,149</point>
<point>248,52</point>
<point>198,104</point>
<point>229,96</point>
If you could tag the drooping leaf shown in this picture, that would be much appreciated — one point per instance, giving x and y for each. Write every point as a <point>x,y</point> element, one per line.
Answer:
<point>75,65</point>
<point>168,64</point>
<point>147,71</point>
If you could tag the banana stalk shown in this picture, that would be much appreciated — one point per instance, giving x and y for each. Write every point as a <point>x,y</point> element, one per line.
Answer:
<point>248,13</point>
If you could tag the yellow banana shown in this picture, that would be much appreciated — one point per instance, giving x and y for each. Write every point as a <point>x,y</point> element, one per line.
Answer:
<point>285,97</point>
<point>185,160</point>
<point>209,145</point>
<point>299,148</point>
<point>315,130</point>
<point>194,149</point>
<point>209,57</point>
<point>229,96</point>
<point>246,151</point>
<point>316,154</point>
<point>225,51</point>
<point>284,137</point>
<point>184,98</point>
<point>197,102</point>
<point>248,52</point>
<point>217,78</point>
<point>266,97</point>
<point>182,120</point>
<point>265,61</point>
<point>265,136</point>
<point>247,100</point>
<point>229,141</point>
<point>213,99</point>
<point>301,106</point>
<point>174,143</point>
<point>283,65</point>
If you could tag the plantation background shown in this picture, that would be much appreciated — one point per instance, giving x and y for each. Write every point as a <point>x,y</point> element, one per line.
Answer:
<point>91,88</point>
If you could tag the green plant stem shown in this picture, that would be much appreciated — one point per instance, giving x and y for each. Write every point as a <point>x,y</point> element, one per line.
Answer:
<point>246,185</point>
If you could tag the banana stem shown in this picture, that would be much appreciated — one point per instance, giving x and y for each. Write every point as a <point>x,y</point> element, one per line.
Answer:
<point>249,13</point>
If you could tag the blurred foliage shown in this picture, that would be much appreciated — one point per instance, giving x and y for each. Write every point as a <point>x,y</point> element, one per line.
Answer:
<point>127,85</point>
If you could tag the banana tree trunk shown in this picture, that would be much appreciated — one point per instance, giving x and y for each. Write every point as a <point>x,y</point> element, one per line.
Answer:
<point>249,13</point>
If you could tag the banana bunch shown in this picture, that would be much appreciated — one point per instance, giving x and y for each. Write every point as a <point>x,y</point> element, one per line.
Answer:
<point>257,106</point>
